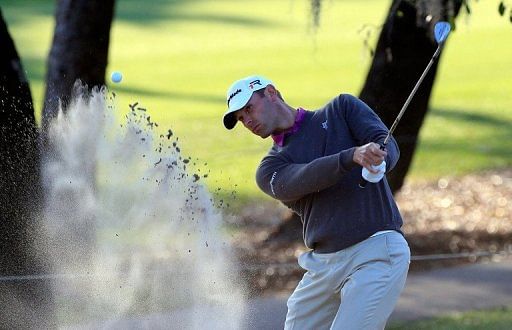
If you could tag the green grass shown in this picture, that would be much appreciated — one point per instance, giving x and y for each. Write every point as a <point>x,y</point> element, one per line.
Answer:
<point>497,319</point>
<point>178,58</point>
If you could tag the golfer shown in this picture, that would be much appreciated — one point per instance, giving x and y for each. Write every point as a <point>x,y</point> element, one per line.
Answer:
<point>358,259</point>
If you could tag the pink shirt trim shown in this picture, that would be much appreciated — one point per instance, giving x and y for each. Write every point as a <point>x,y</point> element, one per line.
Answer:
<point>281,136</point>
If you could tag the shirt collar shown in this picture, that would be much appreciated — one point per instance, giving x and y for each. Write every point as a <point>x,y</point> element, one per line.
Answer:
<point>299,118</point>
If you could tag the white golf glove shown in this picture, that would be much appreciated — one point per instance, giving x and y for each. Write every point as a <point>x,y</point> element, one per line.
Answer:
<point>374,177</point>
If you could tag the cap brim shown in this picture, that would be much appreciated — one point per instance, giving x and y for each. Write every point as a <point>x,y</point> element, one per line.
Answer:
<point>229,120</point>
<point>229,117</point>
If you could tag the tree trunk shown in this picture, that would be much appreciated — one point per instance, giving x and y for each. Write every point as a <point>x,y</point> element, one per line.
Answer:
<point>25,303</point>
<point>405,46</point>
<point>79,50</point>
<point>79,53</point>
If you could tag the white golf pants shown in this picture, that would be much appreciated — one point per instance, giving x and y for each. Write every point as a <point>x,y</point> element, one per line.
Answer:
<point>355,288</point>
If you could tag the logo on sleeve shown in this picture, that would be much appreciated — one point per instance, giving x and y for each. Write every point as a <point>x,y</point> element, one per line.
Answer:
<point>272,183</point>
<point>324,125</point>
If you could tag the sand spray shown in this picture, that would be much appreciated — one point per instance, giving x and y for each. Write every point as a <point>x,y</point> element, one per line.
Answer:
<point>132,229</point>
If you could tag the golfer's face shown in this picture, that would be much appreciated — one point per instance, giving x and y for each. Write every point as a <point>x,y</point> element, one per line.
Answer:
<point>256,115</point>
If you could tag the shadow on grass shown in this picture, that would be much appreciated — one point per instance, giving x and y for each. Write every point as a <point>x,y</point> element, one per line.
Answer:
<point>471,117</point>
<point>139,12</point>
<point>43,8</point>
<point>489,136</point>
<point>203,98</point>
<point>35,68</point>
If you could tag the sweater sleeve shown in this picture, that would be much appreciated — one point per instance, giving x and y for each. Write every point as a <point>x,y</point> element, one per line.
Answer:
<point>287,181</point>
<point>366,127</point>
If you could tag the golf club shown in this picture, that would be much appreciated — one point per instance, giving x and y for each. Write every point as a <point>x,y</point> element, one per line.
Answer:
<point>441,31</point>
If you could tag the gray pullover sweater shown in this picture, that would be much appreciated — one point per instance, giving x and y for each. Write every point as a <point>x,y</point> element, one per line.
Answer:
<point>314,175</point>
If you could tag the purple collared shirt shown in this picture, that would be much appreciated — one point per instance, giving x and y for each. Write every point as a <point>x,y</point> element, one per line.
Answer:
<point>279,137</point>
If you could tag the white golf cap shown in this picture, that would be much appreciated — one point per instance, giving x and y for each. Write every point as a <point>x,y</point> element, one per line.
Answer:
<point>239,94</point>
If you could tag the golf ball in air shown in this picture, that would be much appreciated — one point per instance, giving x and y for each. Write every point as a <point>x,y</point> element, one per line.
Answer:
<point>116,76</point>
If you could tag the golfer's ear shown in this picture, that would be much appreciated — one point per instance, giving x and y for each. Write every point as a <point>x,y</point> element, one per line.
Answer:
<point>271,91</point>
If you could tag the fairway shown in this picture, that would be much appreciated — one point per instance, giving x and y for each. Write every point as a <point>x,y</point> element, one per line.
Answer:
<point>178,58</point>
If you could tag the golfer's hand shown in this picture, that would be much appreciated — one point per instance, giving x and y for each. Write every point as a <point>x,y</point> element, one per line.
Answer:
<point>368,155</point>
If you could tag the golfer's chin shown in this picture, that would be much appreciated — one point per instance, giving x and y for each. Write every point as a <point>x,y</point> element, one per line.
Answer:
<point>261,133</point>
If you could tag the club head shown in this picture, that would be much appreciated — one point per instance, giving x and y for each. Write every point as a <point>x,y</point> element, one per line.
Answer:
<point>441,31</point>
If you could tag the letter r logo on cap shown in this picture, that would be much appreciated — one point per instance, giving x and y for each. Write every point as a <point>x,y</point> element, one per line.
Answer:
<point>254,82</point>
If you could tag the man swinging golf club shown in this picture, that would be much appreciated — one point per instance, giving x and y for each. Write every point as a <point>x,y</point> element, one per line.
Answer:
<point>358,259</point>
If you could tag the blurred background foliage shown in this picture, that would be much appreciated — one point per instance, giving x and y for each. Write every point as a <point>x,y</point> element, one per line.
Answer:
<point>179,57</point>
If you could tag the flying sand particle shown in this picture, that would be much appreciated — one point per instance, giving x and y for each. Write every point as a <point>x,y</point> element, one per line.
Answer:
<point>132,106</point>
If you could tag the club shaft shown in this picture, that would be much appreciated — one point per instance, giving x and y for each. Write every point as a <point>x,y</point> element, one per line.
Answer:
<point>406,104</point>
